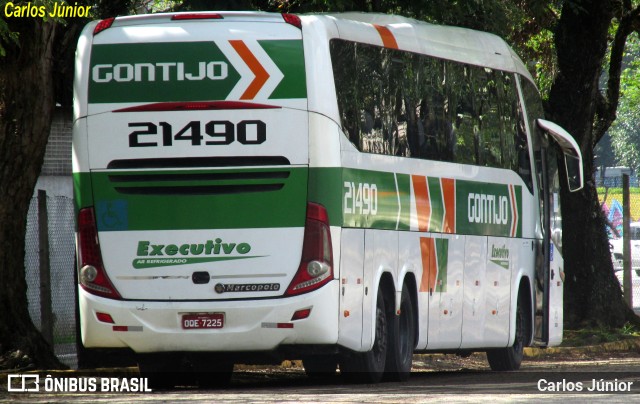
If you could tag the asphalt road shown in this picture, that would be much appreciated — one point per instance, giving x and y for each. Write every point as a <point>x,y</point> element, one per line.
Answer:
<point>566,377</point>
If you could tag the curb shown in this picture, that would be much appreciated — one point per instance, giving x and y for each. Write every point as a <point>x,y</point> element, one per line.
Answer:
<point>632,344</point>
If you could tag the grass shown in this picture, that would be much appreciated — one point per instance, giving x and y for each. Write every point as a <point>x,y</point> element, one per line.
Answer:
<point>594,336</point>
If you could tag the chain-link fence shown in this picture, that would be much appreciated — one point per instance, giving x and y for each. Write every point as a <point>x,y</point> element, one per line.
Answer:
<point>60,214</point>
<point>611,199</point>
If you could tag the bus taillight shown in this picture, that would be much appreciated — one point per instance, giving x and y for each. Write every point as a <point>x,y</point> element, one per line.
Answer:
<point>316,265</point>
<point>293,20</point>
<point>92,275</point>
<point>196,16</point>
<point>102,25</point>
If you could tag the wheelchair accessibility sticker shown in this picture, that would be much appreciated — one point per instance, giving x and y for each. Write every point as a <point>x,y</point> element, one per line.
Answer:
<point>112,215</point>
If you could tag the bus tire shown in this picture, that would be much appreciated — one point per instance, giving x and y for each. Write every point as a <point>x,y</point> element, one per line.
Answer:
<point>368,367</point>
<point>510,358</point>
<point>402,338</point>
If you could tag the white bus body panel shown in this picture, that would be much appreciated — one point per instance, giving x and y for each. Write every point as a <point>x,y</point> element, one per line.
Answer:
<point>446,314</point>
<point>351,288</point>
<point>250,325</point>
<point>556,296</point>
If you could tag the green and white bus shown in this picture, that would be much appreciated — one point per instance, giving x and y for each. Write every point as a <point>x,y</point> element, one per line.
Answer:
<point>343,189</point>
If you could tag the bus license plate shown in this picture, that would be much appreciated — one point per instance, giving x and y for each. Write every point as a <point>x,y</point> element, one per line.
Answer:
<point>202,321</point>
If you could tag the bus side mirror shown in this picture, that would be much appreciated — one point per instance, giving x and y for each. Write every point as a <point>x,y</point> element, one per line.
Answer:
<point>572,154</point>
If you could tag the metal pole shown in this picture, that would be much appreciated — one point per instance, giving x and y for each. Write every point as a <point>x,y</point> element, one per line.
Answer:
<point>46,314</point>
<point>626,241</point>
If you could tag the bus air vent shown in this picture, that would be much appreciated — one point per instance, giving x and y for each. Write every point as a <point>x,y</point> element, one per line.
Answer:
<point>199,162</point>
<point>199,183</point>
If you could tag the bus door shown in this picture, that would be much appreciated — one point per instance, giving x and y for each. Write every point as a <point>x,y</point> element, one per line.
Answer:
<point>552,140</point>
<point>548,271</point>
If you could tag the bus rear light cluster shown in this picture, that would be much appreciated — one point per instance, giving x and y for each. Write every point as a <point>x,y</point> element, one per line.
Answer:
<point>102,25</point>
<point>196,16</point>
<point>316,266</point>
<point>92,276</point>
<point>293,20</point>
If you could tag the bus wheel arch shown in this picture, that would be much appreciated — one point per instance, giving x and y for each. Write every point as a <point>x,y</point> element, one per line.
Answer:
<point>403,333</point>
<point>510,358</point>
<point>369,366</point>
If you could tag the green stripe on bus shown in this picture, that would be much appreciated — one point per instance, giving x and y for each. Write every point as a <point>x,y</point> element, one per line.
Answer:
<point>404,193</point>
<point>184,71</point>
<point>160,72</point>
<point>289,57</point>
<point>382,200</point>
<point>370,199</point>
<point>485,208</point>
<point>325,188</point>
<point>199,204</point>
<point>82,194</point>
<point>442,251</point>
<point>437,206</point>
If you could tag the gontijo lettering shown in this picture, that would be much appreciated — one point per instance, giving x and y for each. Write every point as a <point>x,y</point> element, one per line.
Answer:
<point>491,209</point>
<point>164,71</point>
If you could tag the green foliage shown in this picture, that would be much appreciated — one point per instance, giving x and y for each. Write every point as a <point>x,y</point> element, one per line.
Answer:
<point>9,37</point>
<point>6,36</point>
<point>625,131</point>
<point>540,46</point>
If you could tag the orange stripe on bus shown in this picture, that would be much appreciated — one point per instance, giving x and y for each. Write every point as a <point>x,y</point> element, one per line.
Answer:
<point>261,75</point>
<point>449,196</point>
<point>429,264</point>
<point>514,211</point>
<point>388,40</point>
<point>423,205</point>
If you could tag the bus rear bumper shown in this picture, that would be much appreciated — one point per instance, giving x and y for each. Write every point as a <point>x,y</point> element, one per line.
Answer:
<point>255,325</point>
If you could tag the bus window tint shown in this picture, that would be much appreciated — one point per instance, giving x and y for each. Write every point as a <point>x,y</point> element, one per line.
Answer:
<point>405,104</point>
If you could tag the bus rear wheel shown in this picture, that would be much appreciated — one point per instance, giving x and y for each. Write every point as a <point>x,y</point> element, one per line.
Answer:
<point>368,367</point>
<point>510,358</point>
<point>402,338</point>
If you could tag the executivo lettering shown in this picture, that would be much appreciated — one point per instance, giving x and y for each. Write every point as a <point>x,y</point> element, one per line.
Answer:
<point>151,255</point>
<point>500,256</point>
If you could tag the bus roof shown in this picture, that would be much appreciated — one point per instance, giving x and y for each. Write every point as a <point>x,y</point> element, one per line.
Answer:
<point>446,42</point>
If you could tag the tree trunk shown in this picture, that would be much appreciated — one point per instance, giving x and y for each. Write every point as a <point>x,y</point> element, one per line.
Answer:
<point>26,108</point>
<point>592,293</point>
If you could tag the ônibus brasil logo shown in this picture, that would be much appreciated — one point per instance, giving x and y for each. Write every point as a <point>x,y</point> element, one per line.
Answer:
<point>150,255</point>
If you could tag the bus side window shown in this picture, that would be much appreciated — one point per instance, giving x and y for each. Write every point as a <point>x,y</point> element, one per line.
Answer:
<point>523,160</point>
